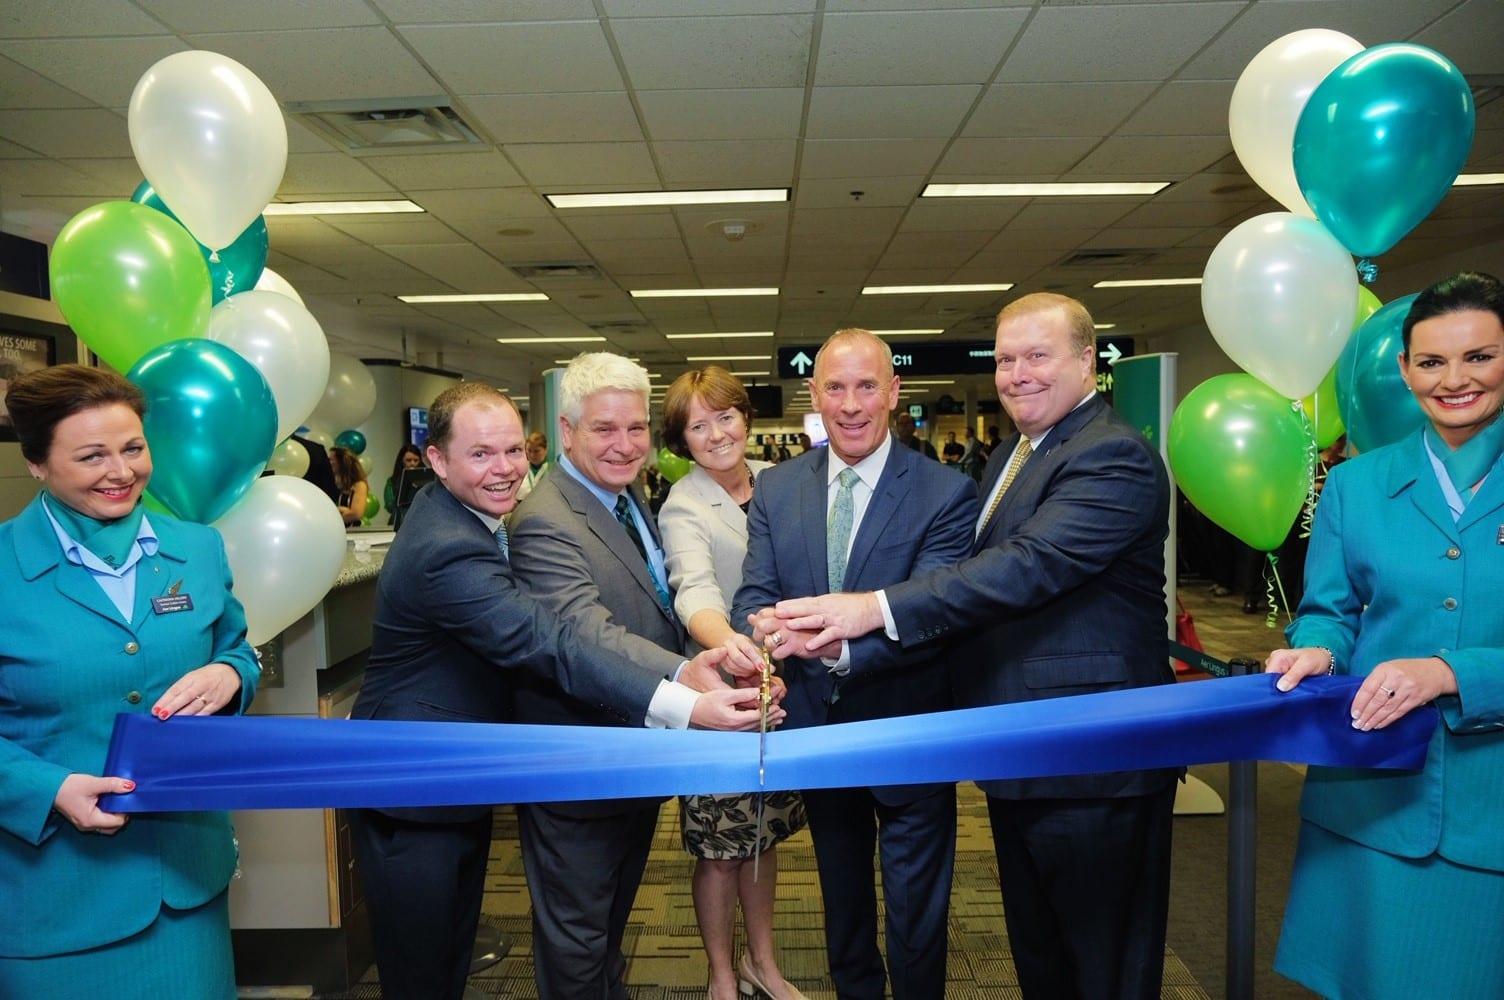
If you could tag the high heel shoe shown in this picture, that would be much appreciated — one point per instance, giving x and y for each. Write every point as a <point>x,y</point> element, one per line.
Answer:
<point>748,985</point>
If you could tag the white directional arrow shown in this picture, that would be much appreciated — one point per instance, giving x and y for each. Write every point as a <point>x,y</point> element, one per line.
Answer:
<point>1111,354</point>
<point>801,361</point>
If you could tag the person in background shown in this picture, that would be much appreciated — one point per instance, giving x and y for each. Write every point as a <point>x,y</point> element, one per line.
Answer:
<point>320,473</point>
<point>990,445</point>
<point>409,458</point>
<point>706,415</point>
<point>105,611</point>
<point>536,450</point>
<point>953,451</point>
<point>351,480</point>
<point>1402,584</point>
<point>972,458</point>
<point>904,427</point>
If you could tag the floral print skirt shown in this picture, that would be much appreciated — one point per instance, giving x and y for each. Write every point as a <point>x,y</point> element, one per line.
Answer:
<point>724,827</point>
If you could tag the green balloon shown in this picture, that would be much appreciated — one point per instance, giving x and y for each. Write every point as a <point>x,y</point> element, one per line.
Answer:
<point>1368,304</point>
<point>673,467</point>
<point>1243,454</point>
<point>373,507</point>
<point>1322,411</point>
<point>129,279</point>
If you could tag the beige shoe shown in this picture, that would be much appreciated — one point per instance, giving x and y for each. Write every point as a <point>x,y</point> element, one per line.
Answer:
<point>750,986</point>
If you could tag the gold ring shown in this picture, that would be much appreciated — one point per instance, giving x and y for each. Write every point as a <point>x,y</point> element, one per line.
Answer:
<point>777,638</point>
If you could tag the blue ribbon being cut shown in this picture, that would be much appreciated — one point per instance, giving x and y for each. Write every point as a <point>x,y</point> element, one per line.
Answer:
<point>285,763</point>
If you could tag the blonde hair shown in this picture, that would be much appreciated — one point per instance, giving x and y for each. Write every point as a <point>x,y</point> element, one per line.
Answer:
<point>1079,322</point>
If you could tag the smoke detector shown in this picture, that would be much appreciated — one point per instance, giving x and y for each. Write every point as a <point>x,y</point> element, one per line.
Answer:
<point>733,229</point>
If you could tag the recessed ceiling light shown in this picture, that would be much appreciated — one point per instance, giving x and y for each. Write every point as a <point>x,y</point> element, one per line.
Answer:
<point>1477,180</point>
<point>632,199</point>
<point>694,293</point>
<point>1055,190</point>
<point>727,357</point>
<point>1146,282</point>
<point>401,206</point>
<point>926,289</point>
<point>712,336</point>
<point>550,340</point>
<point>908,333</point>
<point>478,297</point>
<point>1104,326</point>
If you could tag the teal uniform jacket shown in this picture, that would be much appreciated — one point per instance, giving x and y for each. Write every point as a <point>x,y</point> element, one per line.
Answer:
<point>1390,575</point>
<point>68,665</point>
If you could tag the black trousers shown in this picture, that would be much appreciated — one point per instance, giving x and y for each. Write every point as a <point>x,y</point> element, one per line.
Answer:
<point>1086,893</point>
<point>916,845</point>
<point>423,885</point>
<point>582,876</point>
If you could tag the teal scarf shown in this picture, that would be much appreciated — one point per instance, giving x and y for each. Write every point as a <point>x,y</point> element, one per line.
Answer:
<point>1468,464</point>
<point>110,541</point>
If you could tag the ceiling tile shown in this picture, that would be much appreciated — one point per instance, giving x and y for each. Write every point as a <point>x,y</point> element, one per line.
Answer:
<point>869,221</point>
<point>1015,156</point>
<point>457,170</point>
<point>664,248</point>
<point>327,64</point>
<point>105,70</point>
<point>479,11</point>
<point>1048,237</point>
<point>1047,109</point>
<point>22,88</point>
<point>300,230</point>
<point>600,117</point>
<point>49,177</point>
<point>76,17</point>
<point>1118,237</point>
<point>543,58</point>
<point>95,132</point>
<point>658,224</point>
<point>411,230</point>
<point>1197,107</point>
<point>715,52</point>
<point>118,174</point>
<point>529,252</point>
<point>328,173</point>
<point>696,220</point>
<point>463,266</point>
<point>939,215</point>
<point>726,163</point>
<point>187,16</point>
<point>547,164</point>
<point>482,204</point>
<point>1122,156</point>
<point>841,192</point>
<point>888,112</point>
<point>683,8</point>
<point>722,114</point>
<point>1053,213</point>
<point>1199,214</point>
<point>869,157</point>
<point>301,139</point>
<point>916,47</point>
<point>1213,187</point>
<point>1127,42</point>
<point>11,151</point>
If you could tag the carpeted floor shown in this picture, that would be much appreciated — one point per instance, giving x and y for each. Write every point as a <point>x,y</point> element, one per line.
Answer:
<point>663,943</point>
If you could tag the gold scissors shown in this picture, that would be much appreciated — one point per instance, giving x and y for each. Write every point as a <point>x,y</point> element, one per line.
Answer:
<point>764,701</point>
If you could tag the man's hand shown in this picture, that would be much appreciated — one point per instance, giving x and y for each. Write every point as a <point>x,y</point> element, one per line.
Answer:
<point>703,672</point>
<point>783,640</point>
<point>831,617</point>
<point>77,800</point>
<point>743,660</point>
<point>733,709</point>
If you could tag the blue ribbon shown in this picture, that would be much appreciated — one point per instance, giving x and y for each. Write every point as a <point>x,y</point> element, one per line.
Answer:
<point>259,762</point>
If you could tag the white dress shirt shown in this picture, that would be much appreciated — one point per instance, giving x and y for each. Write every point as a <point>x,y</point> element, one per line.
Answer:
<point>868,470</point>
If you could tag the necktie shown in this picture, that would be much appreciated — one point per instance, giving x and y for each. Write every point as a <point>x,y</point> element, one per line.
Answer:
<point>838,529</point>
<point>629,524</point>
<point>1019,457</point>
<point>501,541</point>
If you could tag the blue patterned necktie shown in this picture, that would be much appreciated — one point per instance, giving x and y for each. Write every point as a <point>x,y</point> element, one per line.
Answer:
<point>838,529</point>
<point>501,541</point>
<point>629,524</point>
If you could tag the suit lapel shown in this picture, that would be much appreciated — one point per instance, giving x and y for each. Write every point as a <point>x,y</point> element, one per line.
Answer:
<point>1410,470</point>
<point>812,493</point>
<point>1488,499</point>
<point>604,525</point>
<point>892,486</point>
<point>38,551</point>
<point>1039,462</point>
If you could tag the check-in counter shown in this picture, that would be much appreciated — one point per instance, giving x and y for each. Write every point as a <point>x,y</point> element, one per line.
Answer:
<point>296,910</point>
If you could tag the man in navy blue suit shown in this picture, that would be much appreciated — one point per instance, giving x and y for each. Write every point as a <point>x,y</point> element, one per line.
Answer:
<point>861,514</point>
<point>1063,594</point>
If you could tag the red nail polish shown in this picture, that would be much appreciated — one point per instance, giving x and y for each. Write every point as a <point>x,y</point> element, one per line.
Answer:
<point>130,786</point>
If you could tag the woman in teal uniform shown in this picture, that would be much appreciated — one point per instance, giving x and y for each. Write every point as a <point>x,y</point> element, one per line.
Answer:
<point>96,903</point>
<point>1398,888</point>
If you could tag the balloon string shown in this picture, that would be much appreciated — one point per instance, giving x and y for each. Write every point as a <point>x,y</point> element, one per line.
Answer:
<point>1368,271</point>
<point>1313,461</point>
<point>1271,620</point>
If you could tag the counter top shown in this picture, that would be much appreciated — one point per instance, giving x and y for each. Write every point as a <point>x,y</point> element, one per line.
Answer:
<point>362,561</point>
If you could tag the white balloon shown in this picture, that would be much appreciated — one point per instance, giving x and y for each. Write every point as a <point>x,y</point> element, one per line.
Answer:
<point>319,436</point>
<point>289,459</point>
<point>284,343</point>
<point>365,463</point>
<point>286,544</point>
<point>1280,294</point>
<point>349,397</point>
<point>271,281</point>
<point>1266,105</point>
<point>210,138</point>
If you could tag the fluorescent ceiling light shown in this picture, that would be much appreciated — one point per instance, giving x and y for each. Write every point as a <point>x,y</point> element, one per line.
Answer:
<point>565,361</point>
<point>907,333</point>
<point>1055,190</point>
<point>550,340</point>
<point>695,293</point>
<point>1104,326</point>
<point>750,374</point>
<point>341,207</point>
<point>943,381</point>
<point>926,289</point>
<point>1146,282</point>
<point>478,297</point>
<point>727,357</point>
<point>712,336</point>
<point>1477,180</point>
<point>631,199</point>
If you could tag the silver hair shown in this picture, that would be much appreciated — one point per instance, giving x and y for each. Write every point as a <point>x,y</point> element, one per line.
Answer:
<point>591,373</point>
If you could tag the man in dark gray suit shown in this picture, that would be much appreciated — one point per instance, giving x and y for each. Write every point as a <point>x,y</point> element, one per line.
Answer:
<point>449,628</point>
<point>586,546</point>
<point>1064,594</point>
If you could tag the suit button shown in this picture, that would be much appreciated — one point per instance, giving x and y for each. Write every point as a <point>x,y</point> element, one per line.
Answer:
<point>1453,552</point>
<point>132,648</point>
<point>1450,604</point>
<point>134,697</point>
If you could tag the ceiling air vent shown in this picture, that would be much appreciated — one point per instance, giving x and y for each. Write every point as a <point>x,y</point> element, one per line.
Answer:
<point>426,123</point>
<point>1096,258</point>
<point>563,269</point>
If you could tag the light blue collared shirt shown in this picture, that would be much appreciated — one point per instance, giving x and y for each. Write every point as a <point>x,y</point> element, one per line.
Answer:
<point>118,583</point>
<point>606,497</point>
<point>1455,503</point>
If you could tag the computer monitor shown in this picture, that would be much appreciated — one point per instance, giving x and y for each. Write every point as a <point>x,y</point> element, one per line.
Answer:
<point>411,482</point>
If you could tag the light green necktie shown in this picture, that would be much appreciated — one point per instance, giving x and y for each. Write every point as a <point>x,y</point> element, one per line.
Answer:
<point>838,529</point>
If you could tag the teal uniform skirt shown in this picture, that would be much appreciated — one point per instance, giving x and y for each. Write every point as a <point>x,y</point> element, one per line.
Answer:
<point>183,953</point>
<point>1365,925</point>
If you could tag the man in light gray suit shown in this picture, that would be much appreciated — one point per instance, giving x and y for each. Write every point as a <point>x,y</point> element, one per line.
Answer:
<point>585,545</point>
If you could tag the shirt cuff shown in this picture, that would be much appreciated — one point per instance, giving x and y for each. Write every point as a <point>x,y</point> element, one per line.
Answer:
<point>671,706</point>
<point>890,628</point>
<point>841,665</point>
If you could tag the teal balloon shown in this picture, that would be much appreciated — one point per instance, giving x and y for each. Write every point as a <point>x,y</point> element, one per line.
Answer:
<point>211,423</point>
<point>239,265</point>
<point>351,440</point>
<point>1380,142</point>
<point>1375,404</point>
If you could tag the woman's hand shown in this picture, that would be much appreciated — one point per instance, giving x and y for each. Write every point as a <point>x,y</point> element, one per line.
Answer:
<point>1397,686</point>
<point>199,692</point>
<point>77,801</point>
<point>742,657</point>
<point>1297,664</point>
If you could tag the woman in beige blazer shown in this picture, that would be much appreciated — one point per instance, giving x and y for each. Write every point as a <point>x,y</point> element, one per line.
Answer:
<point>704,527</point>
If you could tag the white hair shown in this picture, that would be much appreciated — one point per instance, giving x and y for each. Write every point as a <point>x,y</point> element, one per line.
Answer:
<point>591,373</point>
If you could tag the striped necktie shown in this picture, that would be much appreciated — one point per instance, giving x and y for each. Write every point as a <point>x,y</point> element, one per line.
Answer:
<point>629,524</point>
<point>838,530</point>
<point>1019,458</point>
<point>501,541</point>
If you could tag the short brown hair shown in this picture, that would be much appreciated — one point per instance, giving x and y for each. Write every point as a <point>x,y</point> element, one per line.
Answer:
<point>448,403</point>
<point>38,401</point>
<point>717,388</point>
<point>1083,331</point>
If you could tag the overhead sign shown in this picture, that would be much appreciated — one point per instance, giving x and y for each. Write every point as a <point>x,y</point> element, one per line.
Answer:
<point>964,357</point>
